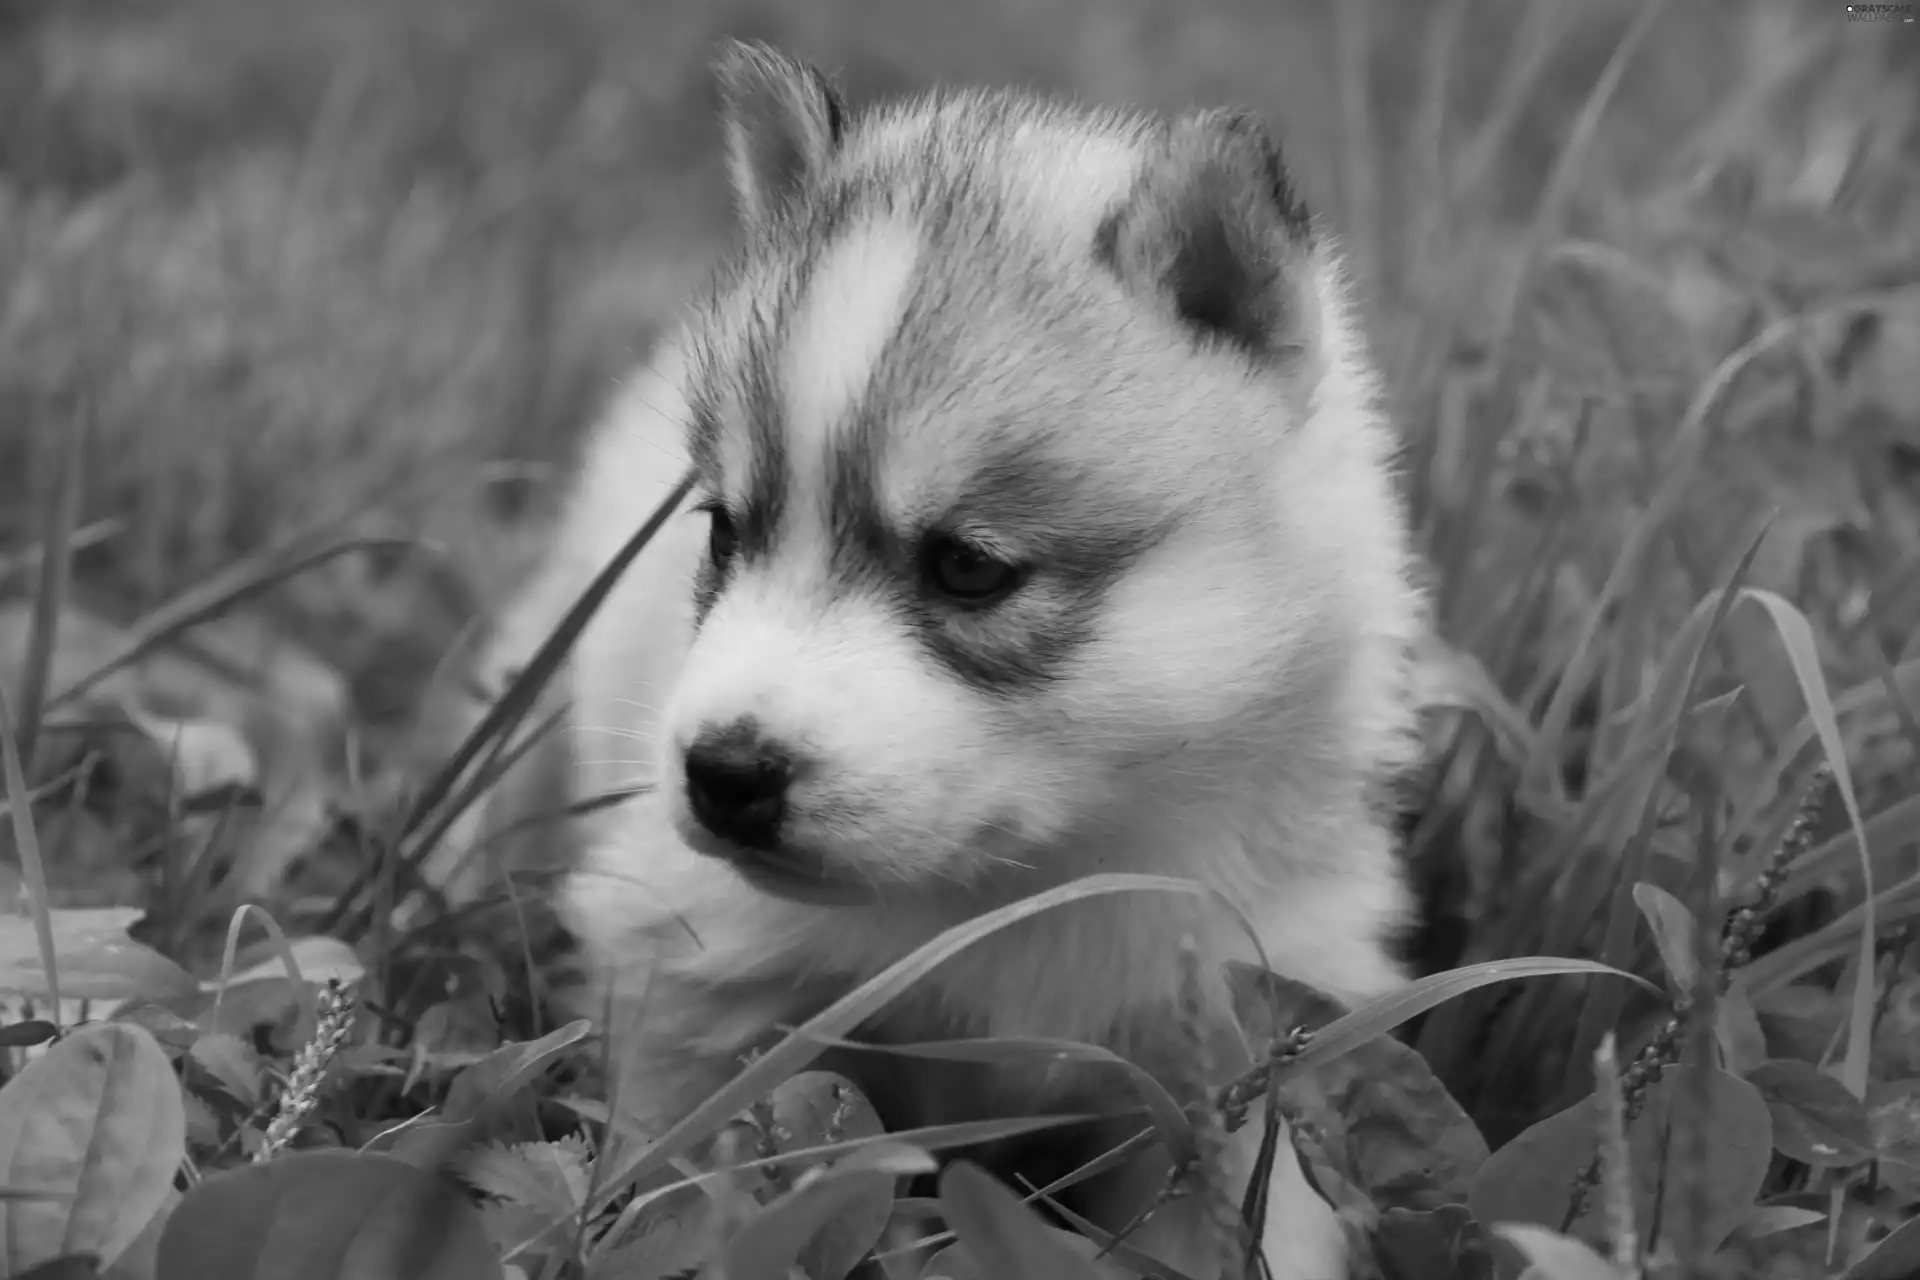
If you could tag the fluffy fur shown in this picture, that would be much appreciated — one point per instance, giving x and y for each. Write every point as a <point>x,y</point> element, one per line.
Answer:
<point>1100,363</point>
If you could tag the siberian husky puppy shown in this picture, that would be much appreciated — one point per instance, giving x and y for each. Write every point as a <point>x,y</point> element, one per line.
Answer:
<point>1043,525</point>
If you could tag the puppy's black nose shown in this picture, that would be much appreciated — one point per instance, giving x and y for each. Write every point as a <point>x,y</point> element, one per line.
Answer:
<point>737,784</point>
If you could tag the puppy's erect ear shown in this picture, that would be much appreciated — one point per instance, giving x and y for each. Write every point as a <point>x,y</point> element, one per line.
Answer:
<point>782,122</point>
<point>1214,232</point>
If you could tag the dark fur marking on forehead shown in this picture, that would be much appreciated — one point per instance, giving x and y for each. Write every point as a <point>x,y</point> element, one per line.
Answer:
<point>864,549</point>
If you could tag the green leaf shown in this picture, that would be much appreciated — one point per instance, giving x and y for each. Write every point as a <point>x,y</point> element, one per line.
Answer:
<point>98,1120</point>
<point>326,1215</point>
<point>1803,655</point>
<point>1396,1131</point>
<point>498,1076</point>
<point>817,1109</point>
<point>1009,1239</point>
<point>1895,1258</point>
<point>1772,1219</point>
<point>95,958</point>
<point>953,1263</point>
<point>1893,1114</point>
<point>549,1176</point>
<point>231,1061</point>
<point>1436,1244</point>
<point>1556,1257</point>
<point>1815,1120</point>
<point>1531,1178</point>
<point>834,1219</point>
<point>509,1069</point>
<point>315,958</point>
<point>1673,933</point>
<point>24,1035</point>
<point>138,1262</point>
<point>1742,1040</point>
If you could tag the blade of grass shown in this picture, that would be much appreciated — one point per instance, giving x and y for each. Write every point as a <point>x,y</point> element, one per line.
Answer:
<point>1803,653</point>
<point>943,1137</point>
<point>1557,196</point>
<point>1169,1120</point>
<point>1359,141</point>
<point>514,704</point>
<point>1895,827</point>
<point>1833,941</point>
<point>501,760</point>
<point>1345,1034</point>
<point>1105,1162</point>
<point>303,993</point>
<point>795,1051</point>
<point>1677,469</point>
<point>1521,73</point>
<point>83,538</point>
<point>243,581</point>
<point>519,696</point>
<point>27,845</point>
<point>59,520</point>
<point>1600,1010</point>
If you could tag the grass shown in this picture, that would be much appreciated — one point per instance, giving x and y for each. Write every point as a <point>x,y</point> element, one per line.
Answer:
<point>302,307</point>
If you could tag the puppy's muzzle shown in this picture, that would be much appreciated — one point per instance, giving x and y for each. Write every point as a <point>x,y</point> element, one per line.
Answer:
<point>737,785</point>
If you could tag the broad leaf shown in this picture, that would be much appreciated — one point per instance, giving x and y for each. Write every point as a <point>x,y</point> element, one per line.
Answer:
<point>95,958</point>
<point>1438,1244</point>
<point>1008,1239</point>
<point>1531,1178</point>
<point>836,1218</point>
<point>1552,1256</point>
<point>494,1078</point>
<point>97,1121</point>
<point>1392,1126</point>
<point>327,1215</point>
<point>1815,1120</point>
<point>1895,1258</point>
<point>1673,933</point>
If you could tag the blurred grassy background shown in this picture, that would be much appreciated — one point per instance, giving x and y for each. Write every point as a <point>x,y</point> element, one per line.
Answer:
<point>379,261</point>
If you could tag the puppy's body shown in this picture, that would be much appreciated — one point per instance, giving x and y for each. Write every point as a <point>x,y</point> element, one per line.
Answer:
<point>1045,528</point>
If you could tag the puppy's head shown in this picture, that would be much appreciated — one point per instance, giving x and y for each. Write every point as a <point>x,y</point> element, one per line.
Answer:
<point>987,411</point>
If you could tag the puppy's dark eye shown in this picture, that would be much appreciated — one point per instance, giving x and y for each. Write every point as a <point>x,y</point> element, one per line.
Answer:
<point>966,574</point>
<point>723,541</point>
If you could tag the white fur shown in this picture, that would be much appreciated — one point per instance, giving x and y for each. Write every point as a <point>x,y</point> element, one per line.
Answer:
<point>1242,691</point>
<point>852,307</point>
